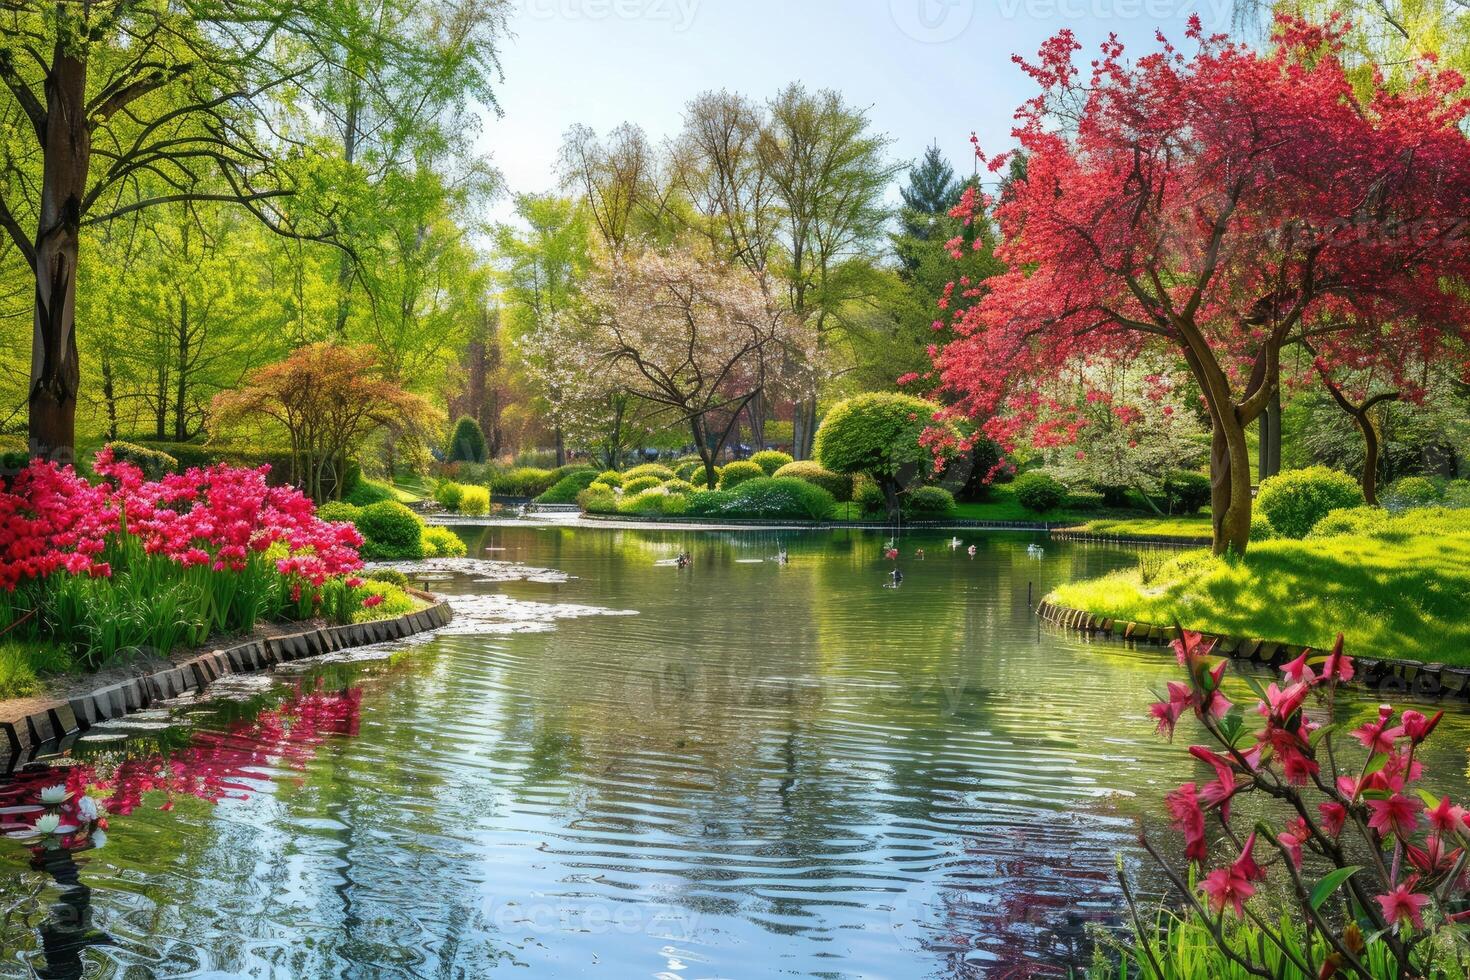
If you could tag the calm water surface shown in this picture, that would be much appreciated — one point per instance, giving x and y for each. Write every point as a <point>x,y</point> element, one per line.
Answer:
<point>611,767</point>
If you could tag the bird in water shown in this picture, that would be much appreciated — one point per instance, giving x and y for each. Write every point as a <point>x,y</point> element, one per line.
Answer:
<point>954,544</point>
<point>919,554</point>
<point>1035,550</point>
<point>971,551</point>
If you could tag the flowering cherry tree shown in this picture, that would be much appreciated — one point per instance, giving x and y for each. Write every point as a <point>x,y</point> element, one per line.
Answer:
<point>1219,208</point>
<point>1356,825</point>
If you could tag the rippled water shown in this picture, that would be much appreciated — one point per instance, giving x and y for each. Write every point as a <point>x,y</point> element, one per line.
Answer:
<point>612,767</point>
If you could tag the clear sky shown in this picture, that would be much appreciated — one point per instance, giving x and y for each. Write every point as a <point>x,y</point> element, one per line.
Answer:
<point>930,70</point>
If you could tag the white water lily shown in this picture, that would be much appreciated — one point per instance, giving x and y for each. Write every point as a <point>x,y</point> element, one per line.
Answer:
<point>87,809</point>
<point>48,824</point>
<point>53,795</point>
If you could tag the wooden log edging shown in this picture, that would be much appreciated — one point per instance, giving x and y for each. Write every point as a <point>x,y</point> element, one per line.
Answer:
<point>1411,678</point>
<point>1160,540</point>
<point>45,729</point>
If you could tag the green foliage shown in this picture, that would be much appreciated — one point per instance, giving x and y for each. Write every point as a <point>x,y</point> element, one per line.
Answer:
<point>1038,492</point>
<point>396,602</point>
<point>369,492</point>
<point>154,463</point>
<point>649,469</point>
<point>596,500</point>
<point>562,472</point>
<point>449,495</point>
<point>1411,491</point>
<point>23,664</point>
<point>1345,520</point>
<point>1185,491</point>
<point>1085,500</point>
<point>928,502</point>
<point>868,497</point>
<point>1261,528</point>
<point>654,502</point>
<point>1296,500</point>
<point>680,486</point>
<point>839,485</point>
<point>878,434</point>
<point>391,575</point>
<point>474,501</point>
<point>770,460</point>
<point>639,484</point>
<point>611,478</point>
<point>766,497</point>
<point>691,470</point>
<point>467,443</point>
<point>1457,493</point>
<point>738,472</point>
<point>391,531</point>
<point>566,489</point>
<point>339,511</point>
<point>523,481</point>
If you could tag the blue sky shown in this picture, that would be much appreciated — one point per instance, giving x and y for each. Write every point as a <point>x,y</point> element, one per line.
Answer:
<point>928,69</point>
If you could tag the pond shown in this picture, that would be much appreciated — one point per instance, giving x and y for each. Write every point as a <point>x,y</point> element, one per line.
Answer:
<point>611,766</point>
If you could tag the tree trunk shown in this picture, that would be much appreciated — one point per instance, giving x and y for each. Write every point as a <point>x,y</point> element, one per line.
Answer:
<point>701,445</point>
<point>181,385</point>
<point>561,448</point>
<point>1370,457</point>
<point>55,368</point>
<point>1230,483</point>
<point>109,398</point>
<point>889,486</point>
<point>1275,426</point>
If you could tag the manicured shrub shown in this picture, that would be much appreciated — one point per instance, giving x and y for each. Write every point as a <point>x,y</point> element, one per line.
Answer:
<point>1294,501</point>
<point>766,497</point>
<point>441,542</point>
<point>638,484</point>
<point>339,511</point>
<point>369,492</point>
<point>474,501</point>
<point>1186,491</point>
<point>565,490</point>
<point>738,472</point>
<point>1347,520</point>
<point>690,469</point>
<point>449,495</point>
<point>1261,529</point>
<point>391,531</point>
<point>1038,492</point>
<point>391,575</point>
<point>597,500</point>
<point>867,496</point>
<point>839,485</point>
<point>649,469</point>
<point>562,472</point>
<point>1457,493</point>
<point>680,486</point>
<point>1411,491</point>
<point>524,481</point>
<point>382,600</point>
<point>467,444</point>
<point>770,460</point>
<point>155,463</point>
<point>1085,500</point>
<point>878,434</point>
<point>654,502</point>
<point>928,502</point>
<point>610,477</point>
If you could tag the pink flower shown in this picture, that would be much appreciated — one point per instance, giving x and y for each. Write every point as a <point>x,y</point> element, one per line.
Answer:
<point>371,601</point>
<point>1397,815</point>
<point>1337,667</point>
<point>1292,838</point>
<point>1402,907</point>
<point>1334,816</point>
<point>1445,817</point>
<point>1417,727</point>
<point>1187,817</point>
<point>1298,670</point>
<point>1224,886</point>
<point>1168,712</point>
<point>1377,737</point>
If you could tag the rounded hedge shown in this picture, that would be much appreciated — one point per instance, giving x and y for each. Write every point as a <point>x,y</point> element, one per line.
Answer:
<point>1411,491</point>
<point>367,492</point>
<point>739,472</point>
<point>598,500</point>
<point>474,501</point>
<point>523,481</point>
<point>654,502</point>
<point>867,496</point>
<point>391,530</point>
<point>1457,493</point>
<point>877,434</point>
<point>467,444</point>
<point>1349,520</point>
<point>339,512</point>
<point>565,490</point>
<point>649,469</point>
<point>1186,491</point>
<point>1261,529</point>
<point>440,542</point>
<point>680,486</point>
<point>1294,501</point>
<point>390,575</point>
<point>638,484</point>
<point>766,497</point>
<point>839,485</point>
<point>1038,492</point>
<point>929,502</point>
<point>448,494</point>
<point>770,460</point>
<point>610,477</point>
<point>155,463</point>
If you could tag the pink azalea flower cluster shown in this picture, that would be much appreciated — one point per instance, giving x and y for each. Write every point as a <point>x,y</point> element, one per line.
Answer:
<point>1399,849</point>
<point>51,519</point>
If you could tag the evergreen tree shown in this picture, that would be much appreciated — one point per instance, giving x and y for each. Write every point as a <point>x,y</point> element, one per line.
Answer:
<point>932,190</point>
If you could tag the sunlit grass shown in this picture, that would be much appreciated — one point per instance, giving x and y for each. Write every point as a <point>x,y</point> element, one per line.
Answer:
<point>1403,595</point>
<point>23,664</point>
<point>1150,527</point>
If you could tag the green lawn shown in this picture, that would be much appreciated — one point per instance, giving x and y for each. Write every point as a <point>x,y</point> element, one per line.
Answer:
<point>23,663</point>
<point>1401,592</point>
<point>410,487</point>
<point>1151,527</point>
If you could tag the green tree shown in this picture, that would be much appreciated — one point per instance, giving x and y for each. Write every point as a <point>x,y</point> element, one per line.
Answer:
<point>879,435</point>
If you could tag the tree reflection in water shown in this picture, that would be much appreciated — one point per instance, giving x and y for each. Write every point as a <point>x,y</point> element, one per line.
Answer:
<point>212,766</point>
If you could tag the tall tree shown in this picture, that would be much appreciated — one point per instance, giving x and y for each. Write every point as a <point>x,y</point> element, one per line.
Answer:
<point>930,194</point>
<point>1214,206</point>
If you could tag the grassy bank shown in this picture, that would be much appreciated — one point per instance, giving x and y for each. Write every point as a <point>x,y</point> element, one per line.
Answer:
<point>1187,528</point>
<point>1402,590</point>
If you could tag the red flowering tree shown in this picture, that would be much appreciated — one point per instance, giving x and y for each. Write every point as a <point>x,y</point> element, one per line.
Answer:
<point>1219,208</point>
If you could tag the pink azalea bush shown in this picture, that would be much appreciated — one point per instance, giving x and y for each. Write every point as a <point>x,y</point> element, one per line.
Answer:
<point>1373,863</point>
<point>129,563</point>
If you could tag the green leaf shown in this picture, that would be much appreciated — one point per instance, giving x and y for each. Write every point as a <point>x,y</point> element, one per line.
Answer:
<point>1375,764</point>
<point>1319,734</point>
<point>1430,800</point>
<point>1331,883</point>
<point>1253,684</point>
